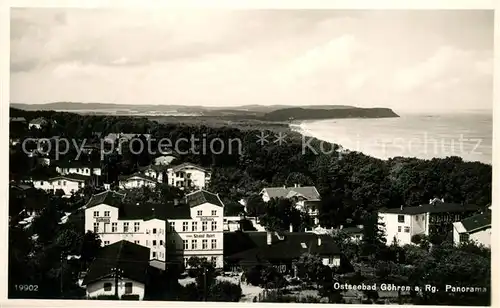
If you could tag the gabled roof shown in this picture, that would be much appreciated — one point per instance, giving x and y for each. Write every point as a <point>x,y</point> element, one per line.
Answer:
<point>202,196</point>
<point>308,192</point>
<point>71,177</point>
<point>476,222</point>
<point>130,258</point>
<point>108,197</point>
<point>187,165</point>
<point>17,119</point>
<point>253,245</point>
<point>137,175</point>
<point>440,207</point>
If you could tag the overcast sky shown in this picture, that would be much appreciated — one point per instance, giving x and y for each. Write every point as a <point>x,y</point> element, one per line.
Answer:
<point>399,59</point>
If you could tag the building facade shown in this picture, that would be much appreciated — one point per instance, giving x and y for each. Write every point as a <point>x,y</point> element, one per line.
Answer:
<point>115,221</point>
<point>476,229</point>
<point>199,231</point>
<point>70,183</point>
<point>137,180</point>
<point>433,219</point>
<point>188,175</point>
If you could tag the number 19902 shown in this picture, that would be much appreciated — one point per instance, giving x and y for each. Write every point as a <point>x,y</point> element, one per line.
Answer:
<point>26,287</point>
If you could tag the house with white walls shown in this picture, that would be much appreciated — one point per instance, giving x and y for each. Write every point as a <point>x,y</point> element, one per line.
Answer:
<point>435,218</point>
<point>136,180</point>
<point>79,167</point>
<point>196,228</point>
<point>476,229</point>
<point>69,183</point>
<point>108,215</point>
<point>156,172</point>
<point>37,123</point>
<point>188,175</point>
<point>119,269</point>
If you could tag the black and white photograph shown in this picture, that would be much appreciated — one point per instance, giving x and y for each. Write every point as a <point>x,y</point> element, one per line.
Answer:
<point>337,156</point>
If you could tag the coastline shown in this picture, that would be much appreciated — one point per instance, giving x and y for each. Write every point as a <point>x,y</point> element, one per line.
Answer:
<point>387,147</point>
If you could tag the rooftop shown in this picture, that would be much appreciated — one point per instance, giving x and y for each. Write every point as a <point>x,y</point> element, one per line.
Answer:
<point>438,207</point>
<point>137,175</point>
<point>72,177</point>
<point>187,165</point>
<point>253,245</point>
<point>202,196</point>
<point>475,222</point>
<point>39,121</point>
<point>130,258</point>
<point>308,192</point>
<point>107,197</point>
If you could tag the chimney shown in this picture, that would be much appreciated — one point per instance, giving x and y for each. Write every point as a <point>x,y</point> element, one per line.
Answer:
<point>269,237</point>
<point>291,228</point>
<point>401,207</point>
<point>319,241</point>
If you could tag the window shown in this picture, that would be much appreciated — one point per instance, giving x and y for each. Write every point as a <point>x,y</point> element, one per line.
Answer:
<point>214,244</point>
<point>200,213</point>
<point>464,237</point>
<point>128,287</point>
<point>407,229</point>
<point>213,260</point>
<point>147,242</point>
<point>214,213</point>
<point>96,227</point>
<point>114,227</point>
<point>172,226</point>
<point>136,242</point>
<point>186,262</point>
<point>154,230</point>
<point>184,226</point>
<point>194,226</point>
<point>106,214</point>
<point>107,286</point>
<point>64,183</point>
<point>136,226</point>
<point>96,213</point>
<point>416,218</point>
<point>401,218</point>
<point>154,242</point>
<point>194,244</point>
<point>204,244</point>
<point>161,242</point>
<point>106,242</point>
<point>125,227</point>
<point>59,183</point>
<point>204,226</point>
<point>185,244</point>
<point>399,228</point>
<point>214,225</point>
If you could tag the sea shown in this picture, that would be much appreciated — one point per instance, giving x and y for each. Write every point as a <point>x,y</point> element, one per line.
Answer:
<point>422,135</point>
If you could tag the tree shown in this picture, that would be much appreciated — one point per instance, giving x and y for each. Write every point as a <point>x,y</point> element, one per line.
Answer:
<point>373,241</point>
<point>91,244</point>
<point>310,268</point>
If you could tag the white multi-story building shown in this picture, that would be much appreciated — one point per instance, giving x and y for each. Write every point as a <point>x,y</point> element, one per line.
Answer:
<point>188,175</point>
<point>137,180</point>
<point>144,224</point>
<point>475,229</point>
<point>196,229</point>
<point>401,224</point>
<point>69,183</point>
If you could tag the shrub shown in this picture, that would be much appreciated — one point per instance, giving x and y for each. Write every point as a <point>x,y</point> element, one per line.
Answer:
<point>130,297</point>
<point>225,291</point>
<point>105,297</point>
<point>416,239</point>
